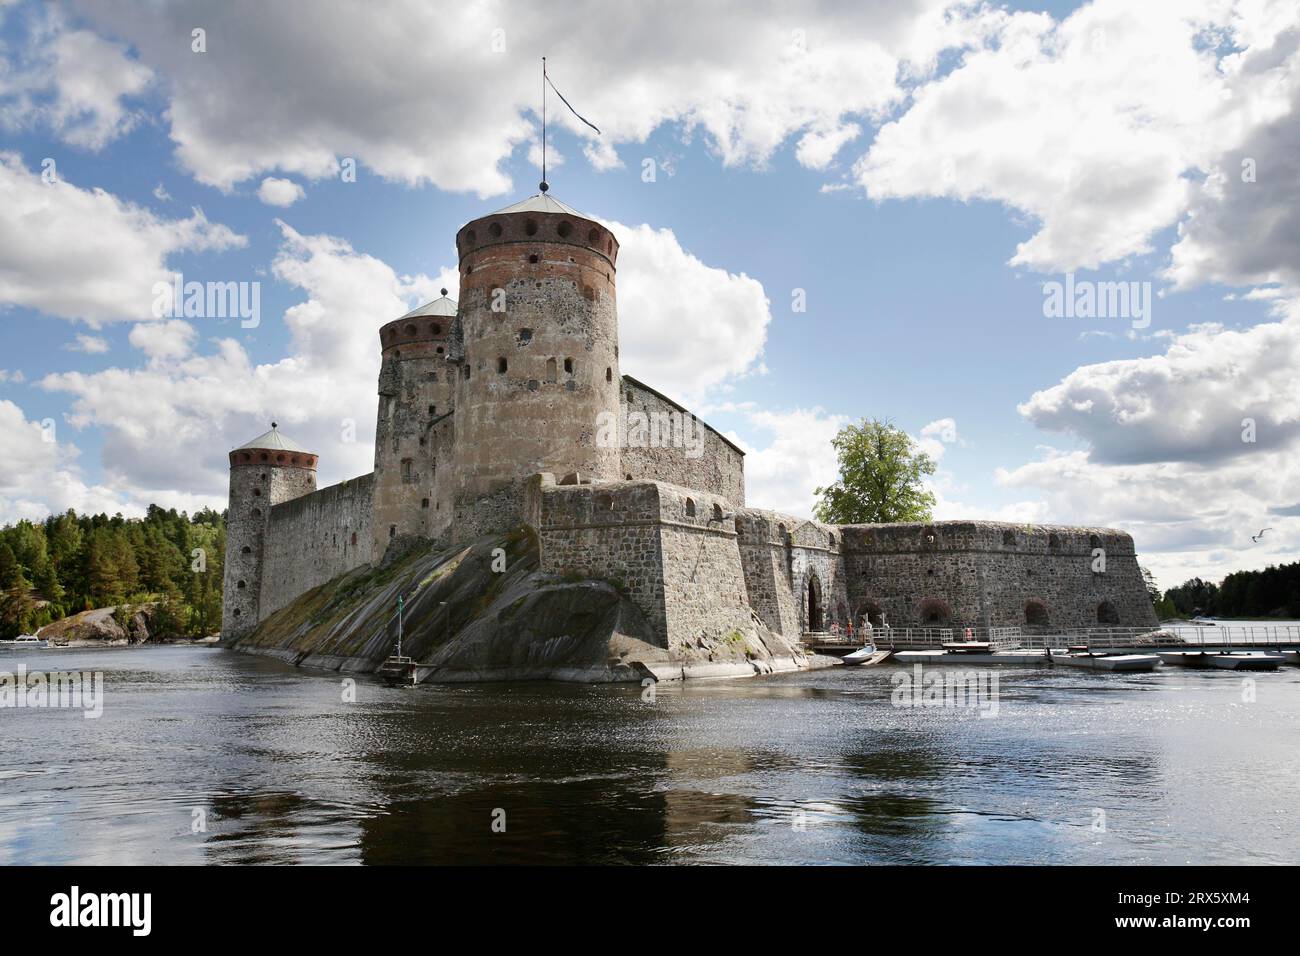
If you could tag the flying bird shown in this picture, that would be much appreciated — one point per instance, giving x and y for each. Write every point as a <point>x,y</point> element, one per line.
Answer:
<point>1256,537</point>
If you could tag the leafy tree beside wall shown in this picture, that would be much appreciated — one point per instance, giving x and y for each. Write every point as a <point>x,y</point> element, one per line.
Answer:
<point>882,477</point>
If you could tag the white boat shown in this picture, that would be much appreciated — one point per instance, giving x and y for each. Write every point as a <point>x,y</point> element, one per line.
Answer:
<point>1097,661</point>
<point>25,641</point>
<point>1187,658</point>
<point>865,656</point>
<point>1247,661</point>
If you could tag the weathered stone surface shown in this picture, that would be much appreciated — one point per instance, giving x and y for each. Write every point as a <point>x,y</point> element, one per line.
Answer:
<point>466,621</point>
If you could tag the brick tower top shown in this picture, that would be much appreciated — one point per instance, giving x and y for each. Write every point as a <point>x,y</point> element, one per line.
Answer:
<point>536,220</point>
<point>274,448</point>
<point>422,332</point>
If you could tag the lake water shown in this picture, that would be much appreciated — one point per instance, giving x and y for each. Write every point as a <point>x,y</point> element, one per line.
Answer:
<point>271,765</point>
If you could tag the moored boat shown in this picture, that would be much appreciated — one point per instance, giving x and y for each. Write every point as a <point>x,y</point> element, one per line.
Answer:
<point>865,656</point>
<point>1095,660</point>
<point>1186,658</point>
<point>24,641</point>
<point>1247,661</point>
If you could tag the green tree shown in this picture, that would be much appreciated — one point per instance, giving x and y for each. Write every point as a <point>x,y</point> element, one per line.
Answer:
<point>881,479</point>
<point>11,572</point>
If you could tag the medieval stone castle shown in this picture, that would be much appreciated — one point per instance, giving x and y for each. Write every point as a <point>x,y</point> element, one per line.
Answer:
<point>506,409</point>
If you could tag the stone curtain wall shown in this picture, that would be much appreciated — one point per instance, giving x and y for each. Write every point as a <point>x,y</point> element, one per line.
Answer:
<point>656,454</point>
<point>704,584</point>
<point>815,557</point>
<point>683,571</point>
<point>315,538</point>
<point>995,574</point>
<point>782,555</point>
<point>608,532</point>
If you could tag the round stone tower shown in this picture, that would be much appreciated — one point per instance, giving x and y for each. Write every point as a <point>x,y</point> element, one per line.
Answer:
<point>264,472</point>
<point>413,430</point>
<point>539,380</point>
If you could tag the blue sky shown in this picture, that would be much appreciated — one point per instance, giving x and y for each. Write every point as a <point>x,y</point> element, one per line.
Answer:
<point>919,172</point>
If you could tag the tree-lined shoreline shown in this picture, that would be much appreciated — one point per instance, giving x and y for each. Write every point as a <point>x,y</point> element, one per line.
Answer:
<point>70,563</point>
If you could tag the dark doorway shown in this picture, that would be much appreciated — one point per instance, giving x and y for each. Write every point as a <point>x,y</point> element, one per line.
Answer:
<point>815,622</point>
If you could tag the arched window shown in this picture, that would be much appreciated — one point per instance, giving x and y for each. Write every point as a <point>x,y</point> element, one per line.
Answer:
<point>717,511</point>
<point>1053,542</point>
<point>245,550</point>
<point>1107,614</point>
<point>240,585</point>
<point>568,366</point>
<point>501,365</point>
<point>690,507</point>
<point>550,370</point>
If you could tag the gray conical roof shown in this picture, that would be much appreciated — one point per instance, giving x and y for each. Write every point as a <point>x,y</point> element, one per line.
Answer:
<point>442,307</point>
<point>274,440</point>
<point>542,203</point>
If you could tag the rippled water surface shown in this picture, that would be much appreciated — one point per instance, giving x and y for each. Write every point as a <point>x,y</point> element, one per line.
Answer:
<point>1075,767</point>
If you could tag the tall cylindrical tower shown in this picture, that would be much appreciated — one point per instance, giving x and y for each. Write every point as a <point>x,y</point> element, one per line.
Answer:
<point>264,472</point>
<point>417,386</point>
<point>539,381</point>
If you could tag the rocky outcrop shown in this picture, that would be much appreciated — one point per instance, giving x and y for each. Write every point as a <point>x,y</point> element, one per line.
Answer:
<point>486,612</point>
<point>104,625</point>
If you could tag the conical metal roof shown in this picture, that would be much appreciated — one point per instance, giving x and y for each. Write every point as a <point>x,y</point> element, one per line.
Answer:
<point>542,203</point>
<point>274,440</point>
<point>442,307</point>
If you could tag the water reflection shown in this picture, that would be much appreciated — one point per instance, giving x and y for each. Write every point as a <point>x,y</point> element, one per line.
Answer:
<point>798,768</point>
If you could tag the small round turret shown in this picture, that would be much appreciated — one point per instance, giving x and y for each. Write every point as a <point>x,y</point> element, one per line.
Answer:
<point>263,472</point>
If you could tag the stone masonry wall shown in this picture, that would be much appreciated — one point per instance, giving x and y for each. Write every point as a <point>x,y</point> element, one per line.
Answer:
<point>785,560</point>
<point>416,388</point>
<point>538,327</point>
<point>671,549</point>
<point>994,574</point>
<point>662,441</point>
<point>606,531</point>
<point>315,538</point>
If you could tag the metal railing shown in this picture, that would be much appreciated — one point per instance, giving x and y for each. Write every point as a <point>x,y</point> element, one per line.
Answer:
<point>1012,637</point>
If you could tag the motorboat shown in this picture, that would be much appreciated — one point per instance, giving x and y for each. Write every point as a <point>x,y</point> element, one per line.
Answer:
<point>24,642</point>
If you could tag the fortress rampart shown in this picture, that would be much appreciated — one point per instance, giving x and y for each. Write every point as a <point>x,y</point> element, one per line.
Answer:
<point>314,538</point>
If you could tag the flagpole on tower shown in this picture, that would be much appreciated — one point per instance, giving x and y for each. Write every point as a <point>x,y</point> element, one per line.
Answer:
<point>544,185</point>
